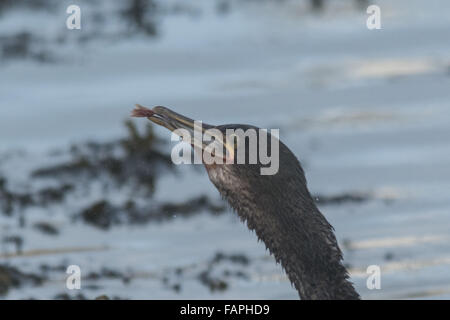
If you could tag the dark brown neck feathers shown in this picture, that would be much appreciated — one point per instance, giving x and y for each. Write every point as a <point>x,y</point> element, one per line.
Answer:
<point>284,216</point>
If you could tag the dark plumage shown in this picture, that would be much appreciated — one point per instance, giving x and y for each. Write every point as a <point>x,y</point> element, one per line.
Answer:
<point>281,211</point>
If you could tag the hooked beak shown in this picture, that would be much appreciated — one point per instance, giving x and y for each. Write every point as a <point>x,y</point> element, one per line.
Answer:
<point>171,120</point>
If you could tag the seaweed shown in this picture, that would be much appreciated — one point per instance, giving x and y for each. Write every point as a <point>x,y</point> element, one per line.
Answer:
<point>342,198</point>
<point>46,228</point>
<point>11,277</point>
<point>103,214</point>
<point>133,159</point>
<point>10,200</point>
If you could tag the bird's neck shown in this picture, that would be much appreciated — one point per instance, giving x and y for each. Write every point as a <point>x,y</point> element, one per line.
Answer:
<point>299,237</point>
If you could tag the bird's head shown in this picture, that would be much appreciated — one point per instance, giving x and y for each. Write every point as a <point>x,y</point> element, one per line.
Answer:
<point>238,158</point>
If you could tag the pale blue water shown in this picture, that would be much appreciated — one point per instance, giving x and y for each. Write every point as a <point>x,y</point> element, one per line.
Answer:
<point>364,110</point>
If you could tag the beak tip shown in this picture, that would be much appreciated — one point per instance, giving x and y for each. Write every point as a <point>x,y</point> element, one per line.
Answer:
<point>141,112</point>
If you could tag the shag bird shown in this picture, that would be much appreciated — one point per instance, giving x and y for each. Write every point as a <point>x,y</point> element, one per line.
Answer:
<point>281,211</point>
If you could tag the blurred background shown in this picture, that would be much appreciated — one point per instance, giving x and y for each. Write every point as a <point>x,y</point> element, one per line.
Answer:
<point>366,111</point>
